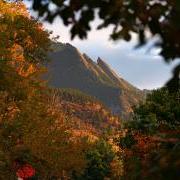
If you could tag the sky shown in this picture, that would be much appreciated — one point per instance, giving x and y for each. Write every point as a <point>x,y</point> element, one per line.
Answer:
<point>142,67</point>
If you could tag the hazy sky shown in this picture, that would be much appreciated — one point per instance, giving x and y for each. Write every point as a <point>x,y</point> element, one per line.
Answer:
<point>141,67</point>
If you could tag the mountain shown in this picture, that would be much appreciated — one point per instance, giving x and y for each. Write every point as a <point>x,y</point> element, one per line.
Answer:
<point>69,68</point>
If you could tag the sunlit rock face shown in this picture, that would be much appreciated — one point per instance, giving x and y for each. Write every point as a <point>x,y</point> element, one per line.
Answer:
<point>69,68</point>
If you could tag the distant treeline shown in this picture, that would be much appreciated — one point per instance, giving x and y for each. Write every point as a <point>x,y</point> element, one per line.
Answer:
<point>74,95</point>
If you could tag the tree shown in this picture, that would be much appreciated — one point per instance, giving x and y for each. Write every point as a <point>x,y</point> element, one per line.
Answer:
<point>139,16</point>
<point>152,141</point>
<point>100,158</point>
<point>33,131</point>
<point>22,37</point>
<point>161,107</point>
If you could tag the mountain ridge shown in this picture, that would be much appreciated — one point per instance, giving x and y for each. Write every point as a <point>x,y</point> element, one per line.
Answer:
<point>69,68</point>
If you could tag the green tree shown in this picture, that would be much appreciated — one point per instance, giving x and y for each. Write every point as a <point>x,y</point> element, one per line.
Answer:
<point>99,159</point>
<point>161,107</point>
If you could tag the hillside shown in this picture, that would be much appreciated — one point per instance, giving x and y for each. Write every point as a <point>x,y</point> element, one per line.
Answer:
<point>87,113</point>
<point>69,68</point>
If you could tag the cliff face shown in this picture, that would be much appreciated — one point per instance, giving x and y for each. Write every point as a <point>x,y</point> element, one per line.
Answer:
<point>69,68</point>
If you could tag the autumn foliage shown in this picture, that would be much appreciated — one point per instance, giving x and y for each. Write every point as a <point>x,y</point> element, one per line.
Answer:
<point>35,128</point>
<point>64,134</point>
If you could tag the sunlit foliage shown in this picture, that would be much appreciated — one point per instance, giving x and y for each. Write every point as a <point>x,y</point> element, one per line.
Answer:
<point>30,131</point>
<point>36,131</point>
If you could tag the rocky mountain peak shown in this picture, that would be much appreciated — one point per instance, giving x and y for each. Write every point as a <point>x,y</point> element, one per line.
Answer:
<point>99,61</point>
<point>69,68</point>
<point>107,69</point>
